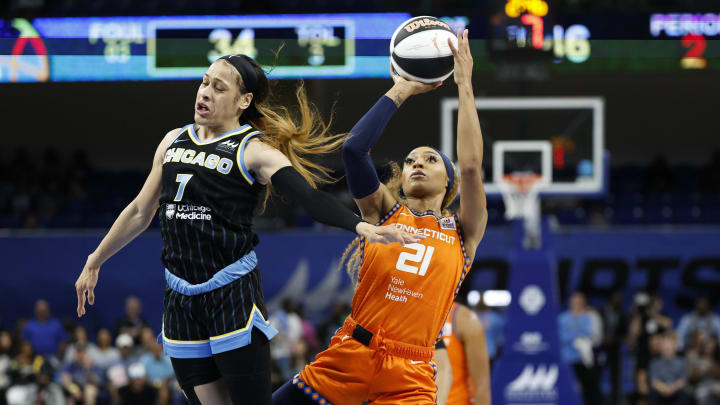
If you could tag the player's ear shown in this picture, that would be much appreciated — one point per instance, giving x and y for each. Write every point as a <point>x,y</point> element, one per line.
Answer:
<point>245,100</point>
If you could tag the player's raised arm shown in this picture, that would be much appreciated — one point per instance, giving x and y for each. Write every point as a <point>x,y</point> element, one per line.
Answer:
<point>272,166</point>
<point>131,222</point>
<point>372,197</point>
<point>473,205</point>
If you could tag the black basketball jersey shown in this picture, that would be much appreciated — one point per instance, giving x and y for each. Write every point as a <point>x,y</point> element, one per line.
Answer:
<point>207,203</point>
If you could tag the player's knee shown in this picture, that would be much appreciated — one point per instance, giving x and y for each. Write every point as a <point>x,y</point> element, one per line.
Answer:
<point>289,394</point>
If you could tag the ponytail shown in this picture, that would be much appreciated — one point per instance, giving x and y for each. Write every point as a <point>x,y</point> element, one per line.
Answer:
<point>298,140</point>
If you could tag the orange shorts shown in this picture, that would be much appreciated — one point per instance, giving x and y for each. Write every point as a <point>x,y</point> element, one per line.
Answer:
<point>349,373</point>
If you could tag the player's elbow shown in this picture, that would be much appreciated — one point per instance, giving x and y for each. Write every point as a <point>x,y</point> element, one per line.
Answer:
<point>143,212</point>
<point>351,151</point>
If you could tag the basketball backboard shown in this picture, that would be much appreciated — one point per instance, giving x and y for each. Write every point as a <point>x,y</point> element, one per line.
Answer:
<point>519,131</point>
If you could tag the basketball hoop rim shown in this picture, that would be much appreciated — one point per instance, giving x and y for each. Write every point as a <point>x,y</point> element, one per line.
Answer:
<point>522,183</point>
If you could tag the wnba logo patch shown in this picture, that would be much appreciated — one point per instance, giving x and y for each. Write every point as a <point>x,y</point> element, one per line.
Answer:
<point>448,223</point>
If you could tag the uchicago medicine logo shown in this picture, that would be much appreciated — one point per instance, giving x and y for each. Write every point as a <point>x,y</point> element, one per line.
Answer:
<point>188,212</point>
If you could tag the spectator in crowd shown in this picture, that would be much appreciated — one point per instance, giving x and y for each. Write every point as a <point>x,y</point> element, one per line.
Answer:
<point>576,336</point>
<point>668,374</point>
<point>283,346</point>
<point>79,340</point>
<point>701,319</point>
<point>596,362</point>
<point>21,368</point>
<point>41,392</point>
<point>6,346</point>
<point>157,366</point>
<point>647,324</point>
<point>704,368</point>
<point>118,372</point>
<point>105,354</point>
<point>148,340</point>
<point>494,325</point>
<point>309,336</point>
<point>138,391</point>
<point>133,322</point>
<point>46,334</point>
<point>159,371</point>
<point>615,328</point>
<point>338,313</point>
<point>82,379</point>
<point>597,324</point>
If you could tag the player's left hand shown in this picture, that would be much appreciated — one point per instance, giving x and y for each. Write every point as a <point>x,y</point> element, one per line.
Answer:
<point>86,283</point>
<point>386,234</point>
<point>463,58</point>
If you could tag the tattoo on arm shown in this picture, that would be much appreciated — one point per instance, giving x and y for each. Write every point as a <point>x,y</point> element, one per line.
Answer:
<point>398,99</point>
<point>398,96</point>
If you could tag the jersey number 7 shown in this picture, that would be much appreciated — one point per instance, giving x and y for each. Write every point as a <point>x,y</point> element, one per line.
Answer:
<point>421,255</point>
<point>183,179</point>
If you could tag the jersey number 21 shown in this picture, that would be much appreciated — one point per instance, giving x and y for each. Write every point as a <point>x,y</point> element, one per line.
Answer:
<point>421,255</point>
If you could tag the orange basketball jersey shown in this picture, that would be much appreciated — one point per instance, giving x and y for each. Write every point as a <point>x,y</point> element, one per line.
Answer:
<point>406,291</point>
<point>461,390</point>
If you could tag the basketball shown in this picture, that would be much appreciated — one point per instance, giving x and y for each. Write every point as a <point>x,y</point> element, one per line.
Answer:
<point>419,49</point>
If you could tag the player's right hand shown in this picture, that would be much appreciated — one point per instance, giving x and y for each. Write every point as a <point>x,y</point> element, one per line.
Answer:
<point>386,234</point>
<point>86,284</point>
<point>411,86</point>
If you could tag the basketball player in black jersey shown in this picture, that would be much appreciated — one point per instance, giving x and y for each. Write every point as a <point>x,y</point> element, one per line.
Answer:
<point>207,179</point>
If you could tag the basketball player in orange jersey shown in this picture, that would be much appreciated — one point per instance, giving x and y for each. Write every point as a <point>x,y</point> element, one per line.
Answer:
<point>464,340</point>
<point>403,294</point>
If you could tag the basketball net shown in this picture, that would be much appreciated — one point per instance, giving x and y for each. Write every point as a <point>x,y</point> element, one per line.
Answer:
<point>520,192</point>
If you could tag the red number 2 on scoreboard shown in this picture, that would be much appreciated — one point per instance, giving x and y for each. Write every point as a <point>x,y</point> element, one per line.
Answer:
<point>695,44</point>
<point>696,47</point>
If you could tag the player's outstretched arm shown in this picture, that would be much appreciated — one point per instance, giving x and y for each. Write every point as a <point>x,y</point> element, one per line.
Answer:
<point>131,222</point>
<point>372,197</point>
<point>473,206</point>
<point>272,166</point>
<point>472,334</point>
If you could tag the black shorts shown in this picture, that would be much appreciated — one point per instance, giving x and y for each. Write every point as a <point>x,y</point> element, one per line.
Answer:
<point>202,325</point>
<point>244,371</point>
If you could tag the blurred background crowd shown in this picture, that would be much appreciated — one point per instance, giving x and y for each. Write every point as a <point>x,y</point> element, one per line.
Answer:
<point>620,353</point>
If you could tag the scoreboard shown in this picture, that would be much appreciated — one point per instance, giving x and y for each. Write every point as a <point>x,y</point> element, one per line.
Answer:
<point>523,36</point>
<point>305,47</point>
<point>534,32</point>
<point>161,48</point>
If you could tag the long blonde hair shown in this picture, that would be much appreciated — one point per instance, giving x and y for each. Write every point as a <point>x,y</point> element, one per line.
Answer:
<point>352,257</point>
<point>297,137</point>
